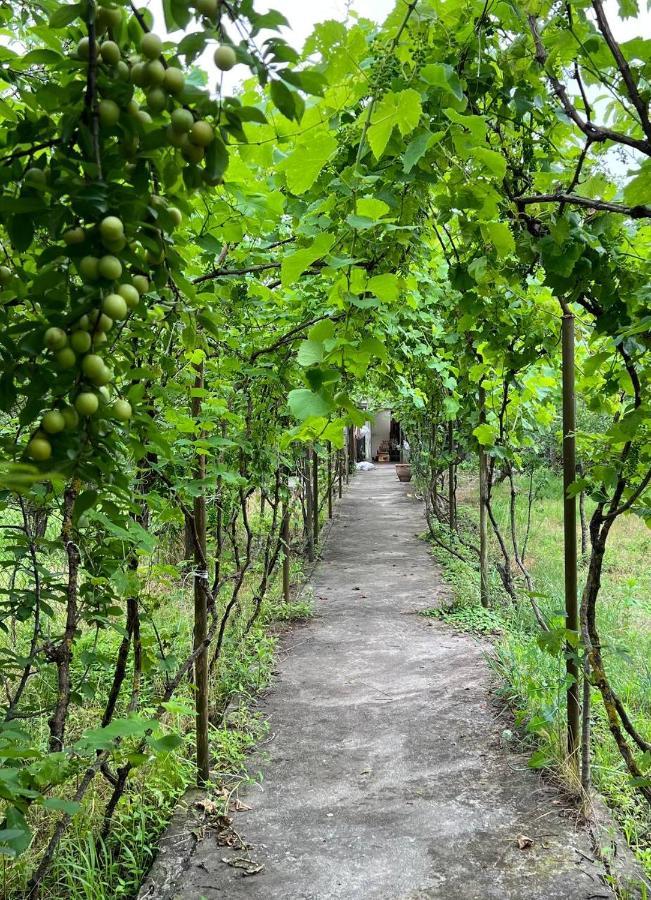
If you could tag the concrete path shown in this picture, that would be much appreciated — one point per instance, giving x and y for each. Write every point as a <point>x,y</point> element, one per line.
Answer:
<point>385,778</point>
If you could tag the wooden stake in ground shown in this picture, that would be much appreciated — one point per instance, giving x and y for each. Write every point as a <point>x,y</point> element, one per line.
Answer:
<point>451,497</point>
<point>285,537</point>
<point>315,494</point>
<point>330,480</point>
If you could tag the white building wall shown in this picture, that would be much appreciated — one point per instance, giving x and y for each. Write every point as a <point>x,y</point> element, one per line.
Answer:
<point>380,429</point>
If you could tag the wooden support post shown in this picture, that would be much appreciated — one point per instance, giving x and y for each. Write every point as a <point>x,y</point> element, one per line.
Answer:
<point>315,495</point>
<point>569,529</point>
<point>340,472</point>
<point>483,514</point>
<point>309,506</point>
<point>330,480</point>
<point>287,511</point>
<point>200,604</point>
<point>451,496</point>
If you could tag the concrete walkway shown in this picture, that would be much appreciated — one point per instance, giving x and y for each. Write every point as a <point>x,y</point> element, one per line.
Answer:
<point>385,778</point>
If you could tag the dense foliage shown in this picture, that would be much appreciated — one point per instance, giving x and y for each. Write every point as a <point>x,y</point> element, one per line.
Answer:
<point>197,286</point>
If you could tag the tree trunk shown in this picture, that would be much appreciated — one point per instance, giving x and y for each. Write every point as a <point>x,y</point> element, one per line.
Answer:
<point>200,604</point>
<point>570,549</point>
<point>483,516</point>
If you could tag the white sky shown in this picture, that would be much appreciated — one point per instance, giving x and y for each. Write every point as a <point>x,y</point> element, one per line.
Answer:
<point>304,14</point>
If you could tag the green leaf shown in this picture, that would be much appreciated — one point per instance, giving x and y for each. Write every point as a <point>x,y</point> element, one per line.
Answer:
<point>490,160</point>
<point>64,15</point>
<point>303,166</point>
<point>402,109</point>
<point>500,236</point>
<point>296,263</point>
<point>287,102</point>
<point>386,286</point>
<point>443,76</point>
<point>418,146</point>
<point>485,434</point>
<point>309,353</point>
<point>305,403</point>
<point>84,502</point>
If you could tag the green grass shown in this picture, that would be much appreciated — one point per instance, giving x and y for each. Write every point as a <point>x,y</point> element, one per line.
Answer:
<point>89,868</point>
<point>532,678</point>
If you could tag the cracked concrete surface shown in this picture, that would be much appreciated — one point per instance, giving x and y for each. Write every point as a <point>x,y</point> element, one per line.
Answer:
<point>385,777</point>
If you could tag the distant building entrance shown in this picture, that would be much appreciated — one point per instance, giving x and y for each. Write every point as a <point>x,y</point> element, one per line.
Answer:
<point>381,440</point>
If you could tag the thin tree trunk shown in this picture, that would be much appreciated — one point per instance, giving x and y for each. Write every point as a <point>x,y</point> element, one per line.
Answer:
<point>451,492</point>
<point>569,528</point>
<point>483,518</point>
<point>200,604</point>
<point>63,652</point>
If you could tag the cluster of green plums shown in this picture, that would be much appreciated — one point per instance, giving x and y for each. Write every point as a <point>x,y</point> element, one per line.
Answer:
<point>162,85</point>
<point>78,345</point>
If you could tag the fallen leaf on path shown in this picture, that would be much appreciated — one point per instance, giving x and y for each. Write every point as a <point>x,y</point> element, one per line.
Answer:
<point>524,842</point>
<point>248,866</point>
<point>239,806</point>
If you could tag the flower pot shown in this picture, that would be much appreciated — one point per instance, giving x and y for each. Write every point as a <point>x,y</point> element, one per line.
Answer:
<point>403,471</point>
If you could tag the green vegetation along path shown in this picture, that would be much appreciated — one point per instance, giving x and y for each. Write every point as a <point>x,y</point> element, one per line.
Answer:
<point>385,776</point>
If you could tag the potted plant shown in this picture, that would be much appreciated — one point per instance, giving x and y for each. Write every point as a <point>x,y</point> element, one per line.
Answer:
<point>403,471</point>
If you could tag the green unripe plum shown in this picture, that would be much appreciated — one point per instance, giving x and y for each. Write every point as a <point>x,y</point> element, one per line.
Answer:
<point>154,73</point>
<point>182,120</point>
<point>115,306</point>
<point>110,53</point>
<point>202,133</point>
<point>122,410</point>
<point>108,17</point>
<point>66,358</point>
<point>55,338</point>
<point>70,416</point>
<point>140,283</point>
<point>74,236</point>
<point>83,48</point>
<point>83,324</point>
<point>109,112</point>
<point>193,153</point>
<point>151,45</point>
<point>133,108</point>
<point>157,100</point>
<point>175,138</point>
<point>53,422</point>
<point>100,321</point>
<point>129,294</point>
<point>174,80</point>
<point>110,267</point>
<point>92,365</point>
<point>143,117</point>
<point>225,58</point>
<point>155,258</point>
<point>115,246</point>
<point>122,70</point>
<point>40,449</point>
<point>86,404</point>
<point>80,341</point>
<point>175,215</point>
<point>104,377</point>
<point>89,268</point>
<point>207,7</point>
<point>35,177</point>
<point>111,228</point>
<point>99,338</point>
<point>138,74</point>
<point>5,274</point>
<point>104,393</point>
